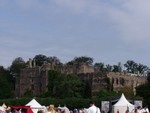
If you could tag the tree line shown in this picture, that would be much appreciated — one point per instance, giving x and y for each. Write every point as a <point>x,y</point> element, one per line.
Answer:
<point>130,66</point>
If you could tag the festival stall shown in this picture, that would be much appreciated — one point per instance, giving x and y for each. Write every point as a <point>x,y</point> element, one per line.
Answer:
<point>123,106</point>
<point>35,106</point>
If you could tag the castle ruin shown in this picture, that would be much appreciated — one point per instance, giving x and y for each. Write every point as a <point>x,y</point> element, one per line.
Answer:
<point>35,78</point>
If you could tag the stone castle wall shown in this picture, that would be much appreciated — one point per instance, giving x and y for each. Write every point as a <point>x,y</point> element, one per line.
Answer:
<point>120,80</point>
<point>35,78</point>
<point>29,80</point>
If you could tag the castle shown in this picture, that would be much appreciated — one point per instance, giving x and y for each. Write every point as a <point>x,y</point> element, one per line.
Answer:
<point>35,78</point>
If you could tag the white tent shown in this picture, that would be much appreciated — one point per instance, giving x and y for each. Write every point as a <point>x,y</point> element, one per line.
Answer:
<point>35,106</point>
<point>122,106</point>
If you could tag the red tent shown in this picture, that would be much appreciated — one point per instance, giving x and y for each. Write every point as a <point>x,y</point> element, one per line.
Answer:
<point>25,109</point>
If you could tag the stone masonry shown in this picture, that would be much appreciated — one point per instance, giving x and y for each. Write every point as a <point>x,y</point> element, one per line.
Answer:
<point>35,78</point>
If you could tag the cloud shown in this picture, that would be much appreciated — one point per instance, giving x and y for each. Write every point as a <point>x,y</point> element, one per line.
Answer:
<point>67,28</point>
<point>132,20</point>
<point>76,5</point>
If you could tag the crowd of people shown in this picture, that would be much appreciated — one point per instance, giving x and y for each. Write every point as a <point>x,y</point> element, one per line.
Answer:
<point>52,109</point>
<point>92,109</point>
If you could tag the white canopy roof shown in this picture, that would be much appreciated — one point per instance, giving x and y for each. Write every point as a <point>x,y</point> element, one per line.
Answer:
<point>122,105</point>
<point>123,101</point>
<point>34,104</point>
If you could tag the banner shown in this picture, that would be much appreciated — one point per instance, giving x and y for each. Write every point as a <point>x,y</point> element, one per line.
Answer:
<point>137,103</point>
<point>105,106</point>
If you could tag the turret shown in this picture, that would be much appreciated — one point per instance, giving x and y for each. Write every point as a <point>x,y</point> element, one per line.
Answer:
<point>30,63</point>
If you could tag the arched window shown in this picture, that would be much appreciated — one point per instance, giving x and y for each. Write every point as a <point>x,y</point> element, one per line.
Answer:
<point>122,81</point>
<point>112,80</point>
<point>117,81</point>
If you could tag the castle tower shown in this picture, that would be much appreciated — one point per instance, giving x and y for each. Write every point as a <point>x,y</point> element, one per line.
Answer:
<point>34,63</point>
<point>30,63</point>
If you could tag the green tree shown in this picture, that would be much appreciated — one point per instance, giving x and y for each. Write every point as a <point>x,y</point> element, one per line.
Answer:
<point>100,66</point>
<point>53,60</point>
<point>87,89</point>
<point>52,80</point>
<point>144,91</point>
<point>80,60</point>
<point>108,68</point>
<point>142,68</point>
<point>131,66</point>
<point>64,85</point>
<point>16,66</point>
<point>6,84</point>
<point>116,68</point>
<point>106,94</point>
<point>40,59</point>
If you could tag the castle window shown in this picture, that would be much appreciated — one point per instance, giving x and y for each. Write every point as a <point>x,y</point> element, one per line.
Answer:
<point>112,80</point>
<point>122,81</point>
<point>32,81</point>
<point>32,87</point>
<point>117,81</point>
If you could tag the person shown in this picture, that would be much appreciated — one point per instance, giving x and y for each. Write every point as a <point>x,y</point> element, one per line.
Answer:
<point>75,110</point>
<point>39,111</point>
<point>146,109</point>
<point>8,110</point>
<point>93,108</point>
<point>63,110</point>
<point>118,111</point>
<point>138,110</point>
<point>51,109</point>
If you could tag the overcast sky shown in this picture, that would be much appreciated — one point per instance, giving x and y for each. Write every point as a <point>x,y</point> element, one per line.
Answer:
<point>109,31</point>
